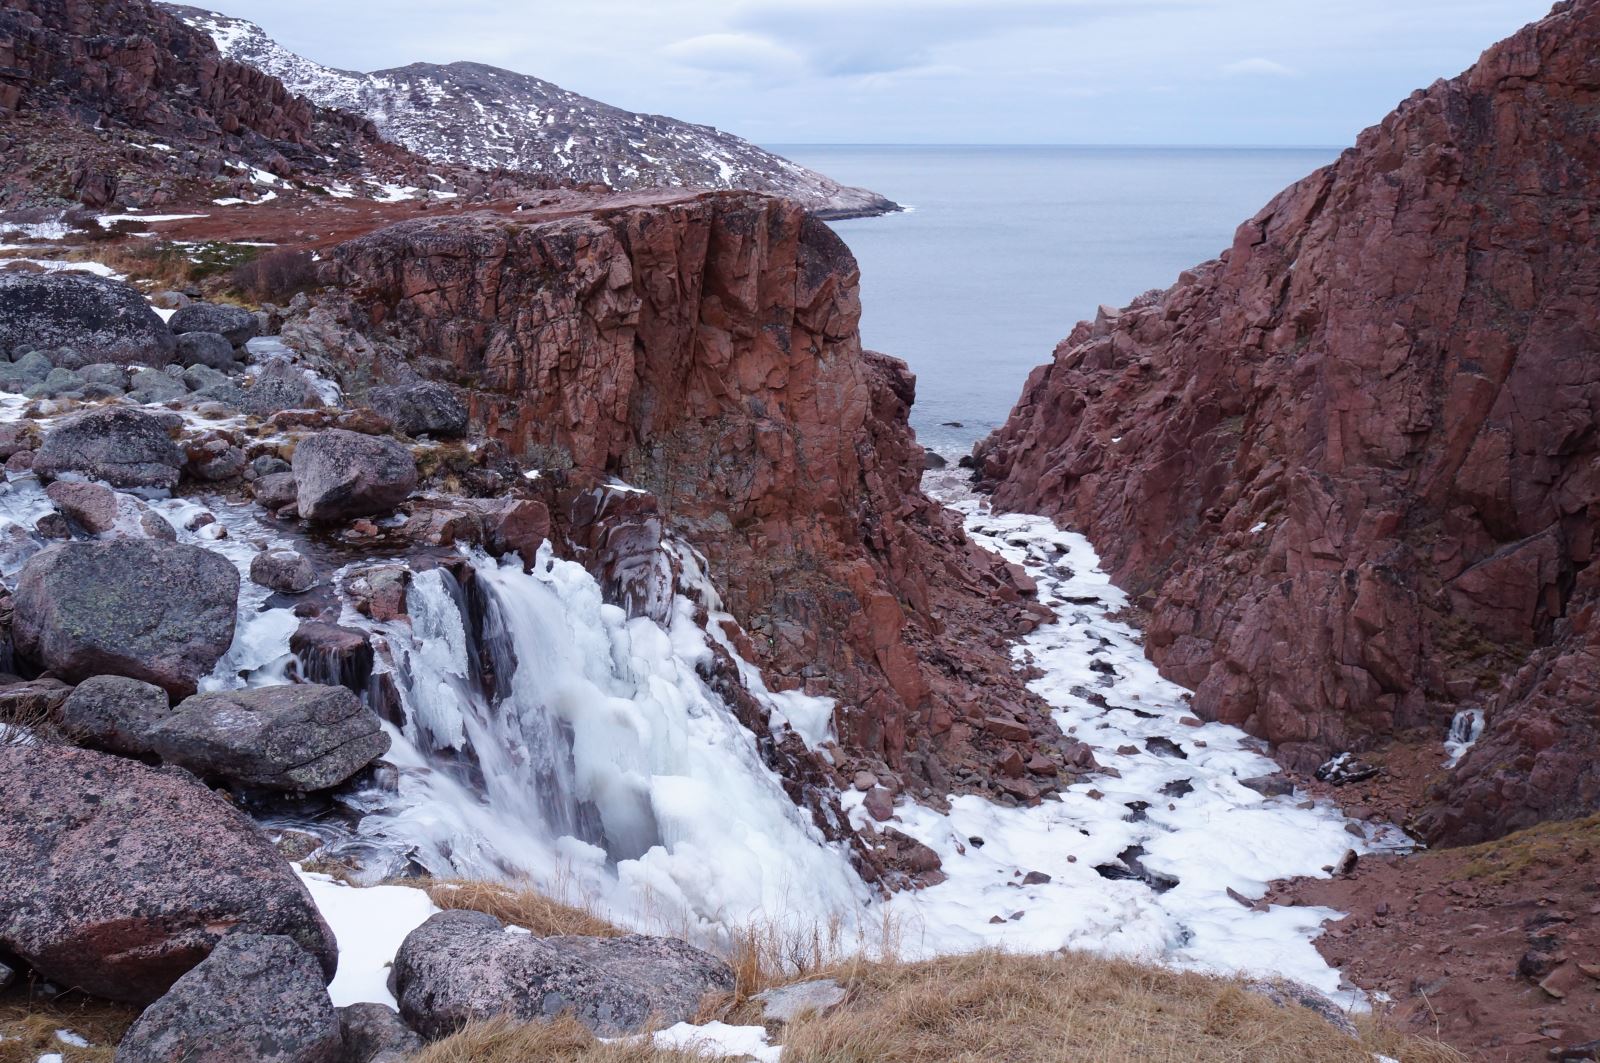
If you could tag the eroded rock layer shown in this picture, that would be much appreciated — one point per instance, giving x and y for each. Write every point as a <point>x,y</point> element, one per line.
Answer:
<point>1351,466</point>
<point>704,349</point>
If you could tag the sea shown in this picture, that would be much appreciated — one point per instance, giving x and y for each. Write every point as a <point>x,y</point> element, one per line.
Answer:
<point>1002,249</point>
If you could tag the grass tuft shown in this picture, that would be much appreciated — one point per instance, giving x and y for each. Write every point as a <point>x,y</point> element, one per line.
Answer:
<point>562,1041</point>
<point>28,1028</point>
<point>518,905</point>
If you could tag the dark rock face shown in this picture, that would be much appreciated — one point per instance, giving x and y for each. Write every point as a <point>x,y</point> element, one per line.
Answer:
<point>296,738</point>
<point>124,447</point>
<point>118,878</point>
<point>258,998</point>
<point>424,408</point>
<point>234,323</point>
<point>1352,467</point>
<point>373,1033</point>
<point>463,965</point>
<point>113,713</point>
<point>337,656</point>
<point>102,320</point>
<point>158,611</point>
<point>340,474</point>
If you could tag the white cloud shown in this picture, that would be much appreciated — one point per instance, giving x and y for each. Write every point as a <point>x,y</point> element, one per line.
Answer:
<point>1258,66</point>
<point>736,53</point>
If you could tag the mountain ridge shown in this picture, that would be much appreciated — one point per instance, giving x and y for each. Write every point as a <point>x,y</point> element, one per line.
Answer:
<point>474,114</point>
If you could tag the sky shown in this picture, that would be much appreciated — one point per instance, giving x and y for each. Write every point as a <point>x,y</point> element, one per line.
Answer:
<point>1225,72</point>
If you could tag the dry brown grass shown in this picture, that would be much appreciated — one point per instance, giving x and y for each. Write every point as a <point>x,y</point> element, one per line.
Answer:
<point>28,1028</point>
<point>563,1041</point>
<point>993,1007</point>
<point>518,905</point>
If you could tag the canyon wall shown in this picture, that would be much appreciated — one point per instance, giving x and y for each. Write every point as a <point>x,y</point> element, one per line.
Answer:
<point>704,349</point>
<point>1350,468</point>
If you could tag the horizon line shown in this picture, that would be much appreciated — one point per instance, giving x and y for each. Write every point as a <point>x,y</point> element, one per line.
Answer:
<point>1041,144</point>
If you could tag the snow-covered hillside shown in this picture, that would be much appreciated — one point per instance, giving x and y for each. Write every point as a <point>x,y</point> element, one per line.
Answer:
<point>482,116</point>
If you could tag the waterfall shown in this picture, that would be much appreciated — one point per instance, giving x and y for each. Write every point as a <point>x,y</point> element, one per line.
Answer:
<point>1465,729</point>
<point>546,734</point>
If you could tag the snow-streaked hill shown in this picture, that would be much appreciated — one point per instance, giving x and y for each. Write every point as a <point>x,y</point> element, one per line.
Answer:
<point>482,116</point>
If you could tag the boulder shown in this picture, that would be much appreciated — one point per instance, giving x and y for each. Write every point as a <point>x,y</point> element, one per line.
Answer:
<point>107,375</point>
<point>154,386</point>
<point>296,739</point>
<point>118,878</point>
<point>100,511</point>
<point>275,490</point>
<point>57,384</point>
<point>158,611</point>
<point>113,713</point>
<point>256,997</point>
<point>235,323</point>
<point>338,656</point>
<point>209,349</point>
<point>340,475</point>
<point>211,460</point>
<point>373,1033</point>
<point>787,1003</point>
<point>463,965</point>
<point>277,386</point>
<point>102,320</point>
<point>122,446</point>
<point>284,571</point>
<point>30,369</point>
<point>423,408</point>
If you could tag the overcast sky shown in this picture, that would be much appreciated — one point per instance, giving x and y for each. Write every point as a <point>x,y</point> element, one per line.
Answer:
<point>1311,72</point>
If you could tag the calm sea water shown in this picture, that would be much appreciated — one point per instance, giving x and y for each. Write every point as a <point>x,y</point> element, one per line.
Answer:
<point>1008,247</point>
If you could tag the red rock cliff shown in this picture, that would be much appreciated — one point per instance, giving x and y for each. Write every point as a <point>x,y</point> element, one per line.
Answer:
<point>1352,466</point>
<point>704,348</point>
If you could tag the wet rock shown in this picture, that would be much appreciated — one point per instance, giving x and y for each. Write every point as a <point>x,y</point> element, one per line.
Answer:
<point>119,878</point>
<point>209,349</point>
<point>298,738</point>
<point>380,591</point>
<point>337,656</point>
<point>214,460</point>
<point>124,447</point>
<point>266,465</point>
<point>423,408</point>
<point>235,323</point>
<point>340,475</point>
<point>284,571</point>
<point>256,997</point>
<point>104,320</point>
<point>461,965</point>
<point>113,713</point>
<point>373,1033</point>
<point>158,611</point>
<point>100,511</point>
<point>788,1003</point>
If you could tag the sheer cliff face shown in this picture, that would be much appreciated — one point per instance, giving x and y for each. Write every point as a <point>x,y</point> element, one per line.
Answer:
<point>704,349</point>
<point>1352,466</point>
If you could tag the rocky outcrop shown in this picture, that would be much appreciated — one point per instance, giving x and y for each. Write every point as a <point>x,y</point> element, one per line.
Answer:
<point>157,611</point>
<point>256,997</point>
<point>101,320</point>
<point>340,474</point>
<point>424,408</point>
<point>461,966</point>
<point>119,878</point>
<point>704,350</point>
<point>1350,468</point>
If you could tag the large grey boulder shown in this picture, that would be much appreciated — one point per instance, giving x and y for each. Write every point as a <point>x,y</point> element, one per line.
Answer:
<point>235,323</point>
<point>462,965</point>
<point>113,713</point>
<point>257,998</point>
<point>102,320</point>
<point>423,408</point>
<point>339,475</point>
<point>125,447</point>
<point>118,878</point>
<point>209,349</point>
<point>158,611</point>
<point>373,1033</point>
<point>297,738</point>
<point>276,386</point>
